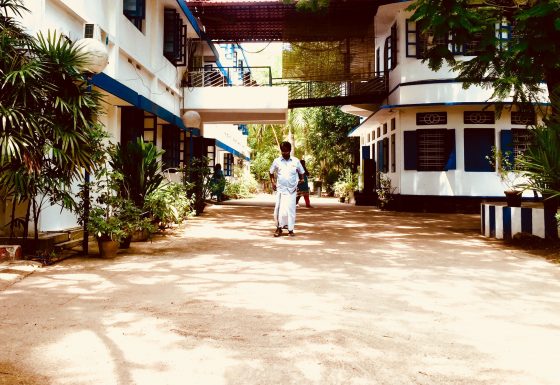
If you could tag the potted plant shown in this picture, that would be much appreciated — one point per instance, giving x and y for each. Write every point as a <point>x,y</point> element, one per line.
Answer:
<point>108,229</point>
<point>509,170</point>
<point>344,187</point>
<point>385,191</point>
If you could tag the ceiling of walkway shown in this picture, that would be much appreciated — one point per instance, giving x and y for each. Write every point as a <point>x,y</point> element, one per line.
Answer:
<point>276,20</point>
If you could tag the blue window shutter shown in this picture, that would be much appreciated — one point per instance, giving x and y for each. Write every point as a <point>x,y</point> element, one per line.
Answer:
<point>366,152</point>
<point>478,145</point>
<point>410,150</point>
<point>450,150</point>
<point>506,143</point>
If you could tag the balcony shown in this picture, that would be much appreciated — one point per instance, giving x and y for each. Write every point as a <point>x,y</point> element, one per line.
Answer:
<point>238,95</point>
<point>243,95</point>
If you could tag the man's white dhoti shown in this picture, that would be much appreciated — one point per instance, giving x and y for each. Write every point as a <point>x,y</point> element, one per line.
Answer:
<point>285,210</point>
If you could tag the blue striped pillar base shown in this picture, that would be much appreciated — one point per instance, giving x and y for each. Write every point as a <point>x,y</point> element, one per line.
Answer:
<point>503,222</point>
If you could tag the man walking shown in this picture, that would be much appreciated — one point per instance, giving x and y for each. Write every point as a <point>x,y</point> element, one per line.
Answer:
<point>285,173</point>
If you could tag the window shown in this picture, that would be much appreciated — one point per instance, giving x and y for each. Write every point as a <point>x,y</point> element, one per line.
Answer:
<point>135,11</point>
<point>479,117</point>
<point>418,43</point>
<point>391,49</point>
<point>523,118</point>
<point>393,124</point>
<point>429,149</point>
<point>515,141</point>
<point>174,38</point>
<point>383,155</point>
<point>431,118</point>
<point>411,37</point>
<point>432,154</point>
<point>150,128</point>
<point>228,164</point>
<point>378,132</point>
<point>378,69</point>
<point>384,128</point>
<point>393,154</point>
<point>387,54</point>
<point>478,147</point>
<point>132,124</point>
<point>170,137</point>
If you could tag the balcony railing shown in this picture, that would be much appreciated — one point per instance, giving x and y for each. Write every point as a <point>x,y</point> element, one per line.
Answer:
<point>300,93</point>
<point>323,93</point>
<point>228,77</point>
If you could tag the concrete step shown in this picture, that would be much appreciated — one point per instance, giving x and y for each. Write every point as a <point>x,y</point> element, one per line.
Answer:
<point>67,245</point>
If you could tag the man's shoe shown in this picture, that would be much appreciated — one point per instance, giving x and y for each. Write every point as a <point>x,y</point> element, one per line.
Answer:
<point>291,233</point>
<point>278,232</point>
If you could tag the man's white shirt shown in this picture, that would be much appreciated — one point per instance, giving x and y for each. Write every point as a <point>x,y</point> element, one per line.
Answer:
<point>286,174</point>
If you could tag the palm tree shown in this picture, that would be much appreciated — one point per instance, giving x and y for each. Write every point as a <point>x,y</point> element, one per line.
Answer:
<point>49,133</point>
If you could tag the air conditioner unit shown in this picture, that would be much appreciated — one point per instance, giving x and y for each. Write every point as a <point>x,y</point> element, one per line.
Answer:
<point>92,31</point>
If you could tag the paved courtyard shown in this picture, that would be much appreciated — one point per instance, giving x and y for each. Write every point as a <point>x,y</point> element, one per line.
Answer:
<point>358,296</point>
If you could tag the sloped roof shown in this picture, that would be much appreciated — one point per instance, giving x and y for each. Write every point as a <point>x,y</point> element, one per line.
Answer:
<point>274,20</point>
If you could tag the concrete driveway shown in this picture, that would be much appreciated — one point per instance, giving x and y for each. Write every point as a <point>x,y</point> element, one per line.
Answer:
<point>358,296</point>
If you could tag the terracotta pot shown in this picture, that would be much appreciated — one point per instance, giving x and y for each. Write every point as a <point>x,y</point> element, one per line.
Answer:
<point>108,248</point>
<point>513,198</point>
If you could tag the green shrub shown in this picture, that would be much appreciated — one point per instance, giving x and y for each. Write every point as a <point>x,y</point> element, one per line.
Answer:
<point>169,204</point>
<point>244,185</point>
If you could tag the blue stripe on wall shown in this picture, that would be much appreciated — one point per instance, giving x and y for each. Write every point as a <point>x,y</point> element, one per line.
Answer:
<point>506,222</point>
<point>116,88</point>
<point>526,220</point>
<point>127,94</point>
<point>227,148</point>
<point>492,220</point>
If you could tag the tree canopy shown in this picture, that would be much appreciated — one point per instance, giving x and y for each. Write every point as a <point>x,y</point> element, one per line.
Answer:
<point>516,43</point>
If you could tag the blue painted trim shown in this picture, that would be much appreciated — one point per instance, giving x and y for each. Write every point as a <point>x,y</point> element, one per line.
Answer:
<point>114,87</point>
<point>492,218</point>
<point>190,17</point>
<point>506,223</point>
<point>526,220</point>
<point>200,33</point>
<point>440,81</point>
<point>227,148</point>
<point>355,128</point>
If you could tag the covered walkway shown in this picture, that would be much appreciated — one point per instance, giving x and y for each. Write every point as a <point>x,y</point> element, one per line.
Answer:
<point>359,296</point>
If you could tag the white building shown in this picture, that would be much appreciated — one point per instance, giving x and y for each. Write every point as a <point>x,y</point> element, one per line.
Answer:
<point>155,47</point>
<point>430,136</point>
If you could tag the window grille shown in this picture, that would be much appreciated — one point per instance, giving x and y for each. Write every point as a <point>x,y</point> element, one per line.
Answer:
<point>432,153</point>
<point>521,139</point>
<point>479,117</point>
<point>523,118</point>
<point>431,118</point>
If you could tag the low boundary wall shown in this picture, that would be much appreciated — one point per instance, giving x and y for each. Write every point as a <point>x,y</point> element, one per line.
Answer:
<point>503,222</point>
